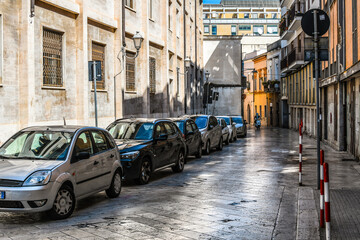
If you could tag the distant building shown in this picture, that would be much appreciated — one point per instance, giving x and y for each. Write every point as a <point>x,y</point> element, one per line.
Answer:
<point>257,21</point>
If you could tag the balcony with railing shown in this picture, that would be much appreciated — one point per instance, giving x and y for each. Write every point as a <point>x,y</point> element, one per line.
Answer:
<point>295,58</point>
<point>291,20</point>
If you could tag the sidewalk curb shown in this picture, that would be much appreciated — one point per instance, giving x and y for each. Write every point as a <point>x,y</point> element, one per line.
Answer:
<point>307,226</point>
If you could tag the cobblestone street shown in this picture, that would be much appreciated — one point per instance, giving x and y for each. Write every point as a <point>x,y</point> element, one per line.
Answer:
<point>246,191</point>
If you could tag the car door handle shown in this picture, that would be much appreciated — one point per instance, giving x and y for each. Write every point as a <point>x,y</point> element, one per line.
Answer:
<point>96,163</point>
<point>112,155</point>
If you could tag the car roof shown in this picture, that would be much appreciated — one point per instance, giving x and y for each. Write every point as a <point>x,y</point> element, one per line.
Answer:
<point>59,128</point>
<point>223,116</point>
<point>147,120</point>
<point>202,115</point>
<point>182,118</point>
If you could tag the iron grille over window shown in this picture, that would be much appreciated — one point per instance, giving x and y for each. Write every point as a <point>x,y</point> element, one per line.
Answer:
<point>52,58</point>
<point>152,74</point>
<point>130,72</point>
<point>98,54</point>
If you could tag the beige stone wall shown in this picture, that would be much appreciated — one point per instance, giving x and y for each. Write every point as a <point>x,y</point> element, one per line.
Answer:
<point>25,101</point>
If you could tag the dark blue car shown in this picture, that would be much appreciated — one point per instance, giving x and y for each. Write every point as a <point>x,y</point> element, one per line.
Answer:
<point>148,145</point>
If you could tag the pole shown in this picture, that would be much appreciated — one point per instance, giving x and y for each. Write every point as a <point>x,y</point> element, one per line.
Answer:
<point>115,97</point>
<point>300,155</point>
<point>316,42</point>
<point>95,98</point>
<point>207,96</point>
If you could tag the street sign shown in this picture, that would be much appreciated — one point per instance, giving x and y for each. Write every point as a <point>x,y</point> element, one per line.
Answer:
<point>91,70</point>
<point>307,22</point>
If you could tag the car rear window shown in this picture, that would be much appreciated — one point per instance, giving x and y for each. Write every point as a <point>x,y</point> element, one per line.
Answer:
<point>201,122</point>
<point>237,120</point>
<point>180,125</point>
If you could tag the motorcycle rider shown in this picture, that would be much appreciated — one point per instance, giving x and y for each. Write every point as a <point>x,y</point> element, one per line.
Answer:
<point>256,118</point>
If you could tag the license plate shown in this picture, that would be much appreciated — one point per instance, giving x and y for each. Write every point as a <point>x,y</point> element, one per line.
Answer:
<point>2,195</point>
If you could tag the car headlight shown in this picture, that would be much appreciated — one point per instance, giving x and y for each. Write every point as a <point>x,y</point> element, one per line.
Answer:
<point>38,178</point>
<point>130,155</point>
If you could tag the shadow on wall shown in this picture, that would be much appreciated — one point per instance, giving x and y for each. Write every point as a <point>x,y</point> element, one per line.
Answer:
<point>224,63</point>
<point>157,104</point>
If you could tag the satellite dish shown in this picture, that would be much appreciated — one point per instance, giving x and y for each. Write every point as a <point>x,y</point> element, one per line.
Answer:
<point>260,31</point>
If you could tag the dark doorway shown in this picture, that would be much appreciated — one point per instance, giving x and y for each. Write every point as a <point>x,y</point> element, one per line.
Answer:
<point>248,114</point>
<point>352,117</point>
<point>325,113</point>
<point>285,116</point>
<point>336,112</point>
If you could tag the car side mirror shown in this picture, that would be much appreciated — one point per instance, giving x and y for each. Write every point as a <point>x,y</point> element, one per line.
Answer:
<point>162,137</point>
<point>190,133</point>
<point>211,127</point>
<point>233,123</point>
<point>81,156</point>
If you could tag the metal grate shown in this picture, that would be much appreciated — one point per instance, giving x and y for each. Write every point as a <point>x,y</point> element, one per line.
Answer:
<point>52,58</point>
<point>130,72</point>
<point>98,54</point>
<point>11,204</point>
<point>152,75</point>
<point>10,183</point>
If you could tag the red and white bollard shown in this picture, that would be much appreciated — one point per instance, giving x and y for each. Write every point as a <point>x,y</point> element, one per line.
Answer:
<point>327,201</point>
<point>300,155</point>
<point>321,189</point>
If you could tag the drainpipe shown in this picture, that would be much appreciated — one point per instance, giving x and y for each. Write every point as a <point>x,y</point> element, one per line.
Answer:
<point>196,53</point>
<point>186,73</point>
<point>123,23</point>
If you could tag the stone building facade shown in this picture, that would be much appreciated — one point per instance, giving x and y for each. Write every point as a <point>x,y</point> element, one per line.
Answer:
<point>46,46</point>
<point>298,85</point>
<point>340,77</point>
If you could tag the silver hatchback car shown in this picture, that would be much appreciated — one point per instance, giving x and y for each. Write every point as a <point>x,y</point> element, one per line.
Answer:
<point>50,168</point>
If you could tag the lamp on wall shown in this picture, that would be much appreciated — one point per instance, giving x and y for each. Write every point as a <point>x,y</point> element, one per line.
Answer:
<point>137,39</point>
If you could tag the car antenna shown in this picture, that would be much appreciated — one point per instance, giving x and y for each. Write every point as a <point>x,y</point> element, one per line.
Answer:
<point>64,121</point>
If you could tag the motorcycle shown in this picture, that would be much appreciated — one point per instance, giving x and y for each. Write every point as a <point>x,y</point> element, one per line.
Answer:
<point>258,124</point>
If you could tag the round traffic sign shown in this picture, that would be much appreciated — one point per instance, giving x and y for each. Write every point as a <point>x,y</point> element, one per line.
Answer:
<point>307,22</point>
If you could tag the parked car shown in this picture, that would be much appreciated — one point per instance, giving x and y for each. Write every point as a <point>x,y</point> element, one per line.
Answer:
<point>191,134</point>
<point>211,133</point>
<point>231,126</point>
<point>148,145</point>
<point>50,168</point>
<point>240,124</point>
<point>225,131</point>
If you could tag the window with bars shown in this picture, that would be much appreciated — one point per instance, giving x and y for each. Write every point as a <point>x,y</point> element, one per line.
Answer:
<point>152,75</point>
<point>52,58</point>
<point>129,3</point>
<point>98,54</point>
<point>130,72</point>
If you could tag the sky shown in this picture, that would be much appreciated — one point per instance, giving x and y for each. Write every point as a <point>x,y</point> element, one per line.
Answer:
<point>211,1</point>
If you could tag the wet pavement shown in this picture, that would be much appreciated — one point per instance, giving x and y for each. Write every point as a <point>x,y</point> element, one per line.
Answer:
<point>247,191</point>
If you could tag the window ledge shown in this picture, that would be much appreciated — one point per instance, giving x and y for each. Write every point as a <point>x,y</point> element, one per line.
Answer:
<point>53,88</point>
<point>131,9</point>
<point>99,90</point>
<point>131,92</point>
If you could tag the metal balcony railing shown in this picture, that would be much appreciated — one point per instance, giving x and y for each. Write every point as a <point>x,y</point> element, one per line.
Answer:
<point>284,63</point>
<point>296,54</point>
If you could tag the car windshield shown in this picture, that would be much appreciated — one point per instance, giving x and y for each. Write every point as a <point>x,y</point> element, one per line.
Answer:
<point>132,130</point>
<point>180,125</point>
<point>237,120</point>
<point>227,120</point>
<point>37,145</point>
<point>201,122</point>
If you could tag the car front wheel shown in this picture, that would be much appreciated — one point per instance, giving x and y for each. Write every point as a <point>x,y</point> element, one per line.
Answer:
<point>179,167</point>
<point>199,151</point>
<point>64,203</point>
<point>145,172</point>
<point>207,148</point>
<point>115,187</point>
<point>220,145</point>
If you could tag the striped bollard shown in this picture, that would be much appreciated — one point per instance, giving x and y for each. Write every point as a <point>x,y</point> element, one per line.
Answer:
<point>327,201</point>
<point>300,155</point>
<point>321,189</point>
